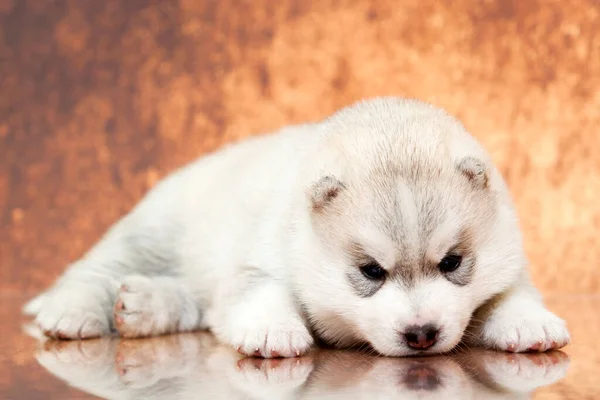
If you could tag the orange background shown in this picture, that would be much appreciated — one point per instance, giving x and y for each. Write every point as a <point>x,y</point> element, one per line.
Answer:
<point>100,99</point>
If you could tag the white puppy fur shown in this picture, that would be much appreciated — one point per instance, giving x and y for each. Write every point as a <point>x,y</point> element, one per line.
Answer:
<point>384,225</point>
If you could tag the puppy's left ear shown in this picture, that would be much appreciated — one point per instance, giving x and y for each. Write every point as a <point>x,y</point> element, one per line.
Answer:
<point>324,191</point>
<point>475,170</point>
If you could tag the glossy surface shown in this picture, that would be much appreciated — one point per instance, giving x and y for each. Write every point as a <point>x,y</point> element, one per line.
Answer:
<point>191,366</point>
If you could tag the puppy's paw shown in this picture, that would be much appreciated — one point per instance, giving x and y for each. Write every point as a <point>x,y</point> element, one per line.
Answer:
<point>74,313</point>
<point>529,329</point>
<point>526,372</point>
<point>145,308</point>
<point>272,339</point>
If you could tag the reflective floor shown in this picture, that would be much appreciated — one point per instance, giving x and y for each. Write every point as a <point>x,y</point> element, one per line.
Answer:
<point>195,366</point>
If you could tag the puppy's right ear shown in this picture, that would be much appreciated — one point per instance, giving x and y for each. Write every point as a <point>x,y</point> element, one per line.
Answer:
<point>475,171</point>
<point>324,191</point>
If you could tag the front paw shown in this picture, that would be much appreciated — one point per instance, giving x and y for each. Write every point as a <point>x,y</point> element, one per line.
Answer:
<point>272,339</point>
<point>142,309</point>
<point>74,312</point>
<point>525,329</point>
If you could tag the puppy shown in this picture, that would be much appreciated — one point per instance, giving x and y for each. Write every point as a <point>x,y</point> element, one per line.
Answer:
<point>384,225</point>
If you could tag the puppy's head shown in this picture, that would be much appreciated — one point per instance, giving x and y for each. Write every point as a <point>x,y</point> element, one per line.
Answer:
<point>414,231</point>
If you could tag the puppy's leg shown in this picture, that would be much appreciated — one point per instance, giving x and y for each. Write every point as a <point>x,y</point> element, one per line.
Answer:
<point>80,304</point>
<point>518,321</point>
<point>154,306</point>
<point>258,317</point>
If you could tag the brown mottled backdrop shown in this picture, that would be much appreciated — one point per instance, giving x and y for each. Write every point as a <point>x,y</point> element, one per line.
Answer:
<point>99,99</point>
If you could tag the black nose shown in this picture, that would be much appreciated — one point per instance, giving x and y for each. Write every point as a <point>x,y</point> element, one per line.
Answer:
<point>421,337</point>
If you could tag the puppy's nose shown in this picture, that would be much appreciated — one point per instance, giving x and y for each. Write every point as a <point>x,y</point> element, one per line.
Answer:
<point>421,337</point>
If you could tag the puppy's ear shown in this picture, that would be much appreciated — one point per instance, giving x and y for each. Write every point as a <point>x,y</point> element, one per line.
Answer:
<point>324,191</point>
<point>475,170</point>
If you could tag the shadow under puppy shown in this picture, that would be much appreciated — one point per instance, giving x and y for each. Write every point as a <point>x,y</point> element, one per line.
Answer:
<point>385,224</point>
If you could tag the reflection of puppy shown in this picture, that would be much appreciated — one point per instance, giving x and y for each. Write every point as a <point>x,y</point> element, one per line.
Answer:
<point>184,366</point>
<point>385,224</point>
<point>473,375</point>
<point>190,366</point>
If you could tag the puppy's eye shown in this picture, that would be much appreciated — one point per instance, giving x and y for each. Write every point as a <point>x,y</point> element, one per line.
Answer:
<point>450,263</point>
<point>373,271</point>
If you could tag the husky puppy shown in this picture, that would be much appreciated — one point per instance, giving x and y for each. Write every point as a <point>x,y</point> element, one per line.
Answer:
<point>385,225</point>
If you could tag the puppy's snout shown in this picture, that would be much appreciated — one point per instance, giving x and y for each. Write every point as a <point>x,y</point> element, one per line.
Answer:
<point>421,337</point>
